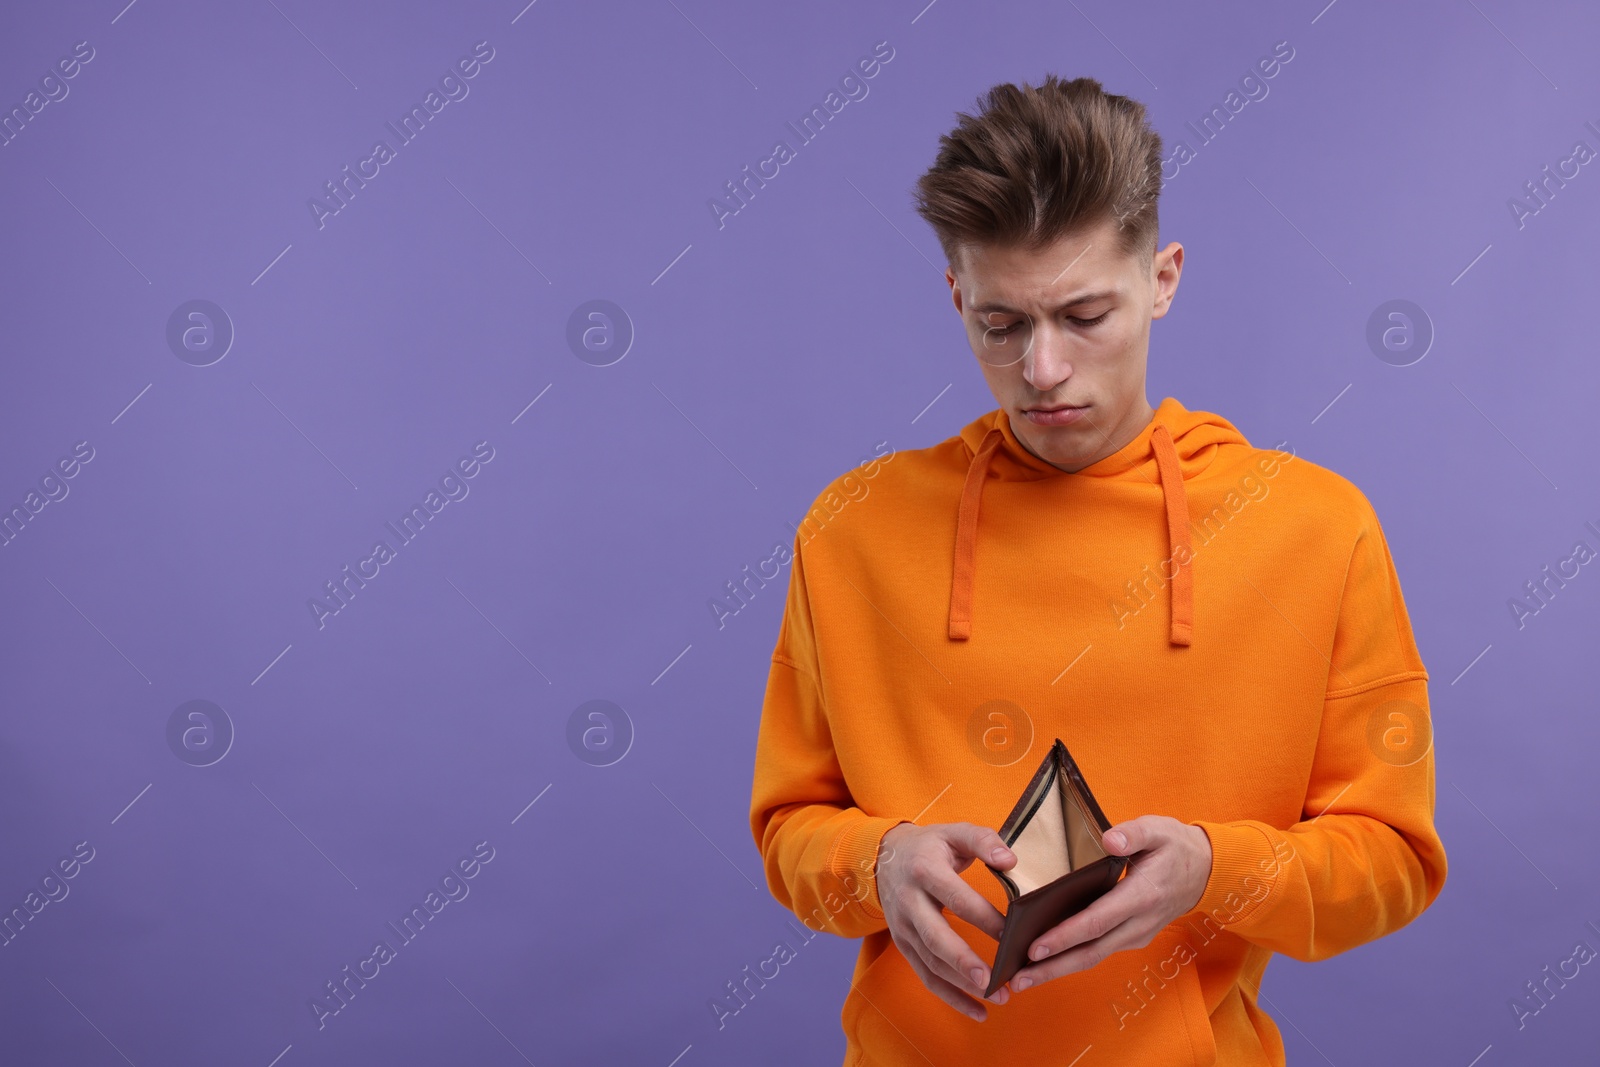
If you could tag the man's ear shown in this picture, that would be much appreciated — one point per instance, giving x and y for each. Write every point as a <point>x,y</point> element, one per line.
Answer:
<point>1166,267</point>
<point>955,288</point>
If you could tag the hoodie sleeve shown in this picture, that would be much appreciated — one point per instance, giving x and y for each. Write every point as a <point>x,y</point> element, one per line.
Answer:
<point>1365,859</point>
<point>819,850</point>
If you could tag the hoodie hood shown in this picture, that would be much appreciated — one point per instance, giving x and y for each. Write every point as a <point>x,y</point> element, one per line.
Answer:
<point>1177,444</point>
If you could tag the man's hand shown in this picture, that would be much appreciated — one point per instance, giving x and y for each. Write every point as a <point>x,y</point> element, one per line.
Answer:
<point>1165,880</point>
<point>918,875</point>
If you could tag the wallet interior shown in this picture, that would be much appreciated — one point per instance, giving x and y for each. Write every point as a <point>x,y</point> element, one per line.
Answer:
<point>1054,837</point>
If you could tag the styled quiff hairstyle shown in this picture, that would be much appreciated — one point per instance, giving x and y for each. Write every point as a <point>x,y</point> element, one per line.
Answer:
<point>1038,163</point>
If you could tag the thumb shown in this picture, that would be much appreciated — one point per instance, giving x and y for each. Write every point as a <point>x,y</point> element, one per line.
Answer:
<point>1128,837</point>
<point>971,842</point>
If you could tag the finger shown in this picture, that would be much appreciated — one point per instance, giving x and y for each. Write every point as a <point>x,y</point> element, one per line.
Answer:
<point>1155,854</point>
<point>1144,832</point>
<point>919,925</point>
<point>970,842</point>
<point>938,986</point>
<point>1131,934</point>
<point>1124,901</point>
<point>924,922</point>
<point>965,901</point>
<point>915,923</point>
<point>947,952</point>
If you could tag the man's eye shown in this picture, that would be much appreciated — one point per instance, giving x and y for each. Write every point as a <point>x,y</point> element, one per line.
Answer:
<point>1094,321</point>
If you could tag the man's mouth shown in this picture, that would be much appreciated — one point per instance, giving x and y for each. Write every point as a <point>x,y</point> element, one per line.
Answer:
<point>1057,415</point>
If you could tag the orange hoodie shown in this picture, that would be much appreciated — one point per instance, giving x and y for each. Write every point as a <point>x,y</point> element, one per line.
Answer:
<point>1217,633</point>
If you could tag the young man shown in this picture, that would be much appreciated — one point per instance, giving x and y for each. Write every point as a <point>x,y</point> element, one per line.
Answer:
<point>1215,630</point>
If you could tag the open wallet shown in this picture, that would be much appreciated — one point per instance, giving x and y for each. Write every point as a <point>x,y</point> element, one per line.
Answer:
<point>1061,867</point>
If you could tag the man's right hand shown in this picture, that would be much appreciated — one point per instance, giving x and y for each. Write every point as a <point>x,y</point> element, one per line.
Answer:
<point>918,875</point>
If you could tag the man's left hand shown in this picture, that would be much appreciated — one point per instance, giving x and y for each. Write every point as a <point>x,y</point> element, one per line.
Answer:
<point>1165,879</point>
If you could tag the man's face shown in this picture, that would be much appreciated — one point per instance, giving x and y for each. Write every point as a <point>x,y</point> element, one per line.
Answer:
<point>1066,328</point>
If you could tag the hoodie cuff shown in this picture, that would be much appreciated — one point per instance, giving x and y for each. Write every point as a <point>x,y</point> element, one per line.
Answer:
<point>1243,871</point>
<point>855,861</point>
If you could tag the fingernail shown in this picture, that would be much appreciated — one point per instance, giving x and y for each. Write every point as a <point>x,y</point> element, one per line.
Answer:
<point>978,977</point>
<point>1021,983</point>
<point>1118,839</point>
<point>1040,952</point>
<point>975,1015</point>
<point>1000,855</point>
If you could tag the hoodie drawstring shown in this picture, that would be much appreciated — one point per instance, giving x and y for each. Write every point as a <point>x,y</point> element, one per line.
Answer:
<point>964,568</point>
<point>1181,627</point>
<point>966,537</point>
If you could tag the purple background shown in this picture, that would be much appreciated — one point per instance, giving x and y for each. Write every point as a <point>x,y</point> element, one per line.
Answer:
<point>770,354</point>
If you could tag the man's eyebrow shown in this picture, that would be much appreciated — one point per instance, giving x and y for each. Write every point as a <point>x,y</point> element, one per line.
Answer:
<point>1081,298</point>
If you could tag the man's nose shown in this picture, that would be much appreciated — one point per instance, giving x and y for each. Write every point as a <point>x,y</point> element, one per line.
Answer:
<point>1048,362</point>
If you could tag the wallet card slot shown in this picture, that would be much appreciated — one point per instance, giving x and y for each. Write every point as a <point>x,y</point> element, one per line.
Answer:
<point>1081,835</point>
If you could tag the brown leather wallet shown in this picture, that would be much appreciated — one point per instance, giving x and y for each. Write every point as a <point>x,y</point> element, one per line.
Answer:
<point>1061,867</point>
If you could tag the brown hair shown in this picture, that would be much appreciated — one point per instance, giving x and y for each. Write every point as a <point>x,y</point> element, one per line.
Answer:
<point>1038,163</point>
